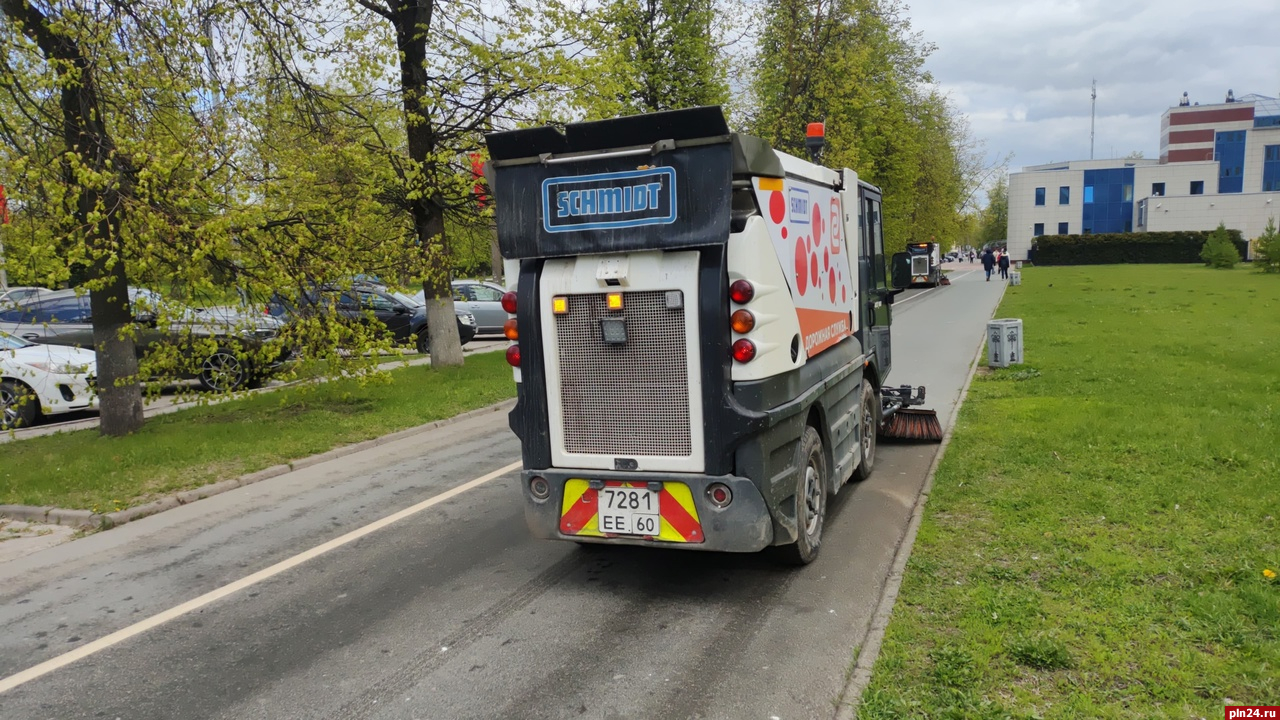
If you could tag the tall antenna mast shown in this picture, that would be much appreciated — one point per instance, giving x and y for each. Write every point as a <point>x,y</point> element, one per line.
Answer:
<point>1093,113</point>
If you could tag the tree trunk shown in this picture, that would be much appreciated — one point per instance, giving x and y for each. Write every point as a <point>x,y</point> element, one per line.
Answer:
<point>495,255</point>
<point>442,321</point>
<point>85,133</point>
<point>119,391</point>
<point>412,22</point>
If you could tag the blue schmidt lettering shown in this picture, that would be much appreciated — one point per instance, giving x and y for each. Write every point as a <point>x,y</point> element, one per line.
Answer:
<point>798,203</point>
<point>609,200</point>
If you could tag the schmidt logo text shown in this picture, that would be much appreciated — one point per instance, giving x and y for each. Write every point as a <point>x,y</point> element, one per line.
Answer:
<point>609,200</point>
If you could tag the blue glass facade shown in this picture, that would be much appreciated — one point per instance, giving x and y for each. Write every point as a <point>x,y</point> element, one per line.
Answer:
<point>1108,201</point>
<point>1271,169</point>
<point>1228,150</point>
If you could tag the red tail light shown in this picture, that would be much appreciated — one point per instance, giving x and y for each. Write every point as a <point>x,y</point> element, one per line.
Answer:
<point>509,302</point>
<point>513,356</point>
<point>744,351</point>
<point>741,292</point>
<point>719,494</point>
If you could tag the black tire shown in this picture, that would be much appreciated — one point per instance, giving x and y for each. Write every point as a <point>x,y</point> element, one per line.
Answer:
<point>812,485</point>
<point>423,343</point>
<point>223,371</point>
<point>19,407</point>
<point>869,435</point>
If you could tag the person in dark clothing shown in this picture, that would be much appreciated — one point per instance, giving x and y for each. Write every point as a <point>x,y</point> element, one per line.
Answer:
<point>988,262</point>
<point>1004,266</point>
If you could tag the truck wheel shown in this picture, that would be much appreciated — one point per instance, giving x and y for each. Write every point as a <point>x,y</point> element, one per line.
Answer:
<point>811,501</point>
<point>18,405</point>
<point>869,430</point>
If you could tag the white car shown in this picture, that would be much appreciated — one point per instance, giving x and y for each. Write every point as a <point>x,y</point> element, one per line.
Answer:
<point>48,379</point>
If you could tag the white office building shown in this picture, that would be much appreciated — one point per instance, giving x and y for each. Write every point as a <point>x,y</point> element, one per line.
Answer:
<point>1218,164</point>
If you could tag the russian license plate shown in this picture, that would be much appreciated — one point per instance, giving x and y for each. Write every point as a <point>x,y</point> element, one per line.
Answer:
<point>628,511</point>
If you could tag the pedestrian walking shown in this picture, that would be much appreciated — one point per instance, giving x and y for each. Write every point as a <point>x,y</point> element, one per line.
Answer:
<point>1004,266</point>
<point>988,262</point>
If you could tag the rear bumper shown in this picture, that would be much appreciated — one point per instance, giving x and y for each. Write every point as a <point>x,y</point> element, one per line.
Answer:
<point>744,526</point>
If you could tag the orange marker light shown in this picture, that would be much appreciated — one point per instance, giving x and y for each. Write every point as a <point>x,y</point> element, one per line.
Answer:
<point>614,301</point>
<point>509,329</point>
<point>742,321</point>
<point>560,305</point>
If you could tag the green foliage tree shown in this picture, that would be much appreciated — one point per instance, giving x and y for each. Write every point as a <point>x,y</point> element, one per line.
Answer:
<point>1218,251</point>
<point>995,216</point>
<point>858,66</point>
<point>650,55</point>
<point>1268,249</point>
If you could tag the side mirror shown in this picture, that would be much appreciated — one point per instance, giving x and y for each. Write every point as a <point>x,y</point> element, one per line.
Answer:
<point>146,319</point>
<point>402,310</point>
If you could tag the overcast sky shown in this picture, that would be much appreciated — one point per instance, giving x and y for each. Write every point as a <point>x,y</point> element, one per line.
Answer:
<point>1020,70</point>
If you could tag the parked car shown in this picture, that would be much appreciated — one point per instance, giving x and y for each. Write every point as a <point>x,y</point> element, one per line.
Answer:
<point>16,295</point>
<point>402,315</point>
<point>64,318</point>
<point>482,299</point>
<point>40,380</point>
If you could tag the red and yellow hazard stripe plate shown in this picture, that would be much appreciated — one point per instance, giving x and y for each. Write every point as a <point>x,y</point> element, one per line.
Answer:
<point>678,521</point>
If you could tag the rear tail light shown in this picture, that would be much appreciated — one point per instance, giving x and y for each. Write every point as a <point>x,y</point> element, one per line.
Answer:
<point>741,292</point>
<point>742,321</point>
<point>513,356</point>
<point>539,488</point>
<point>744,351</point>
<point>509,329</point>
<point>509,302</point>
<point>719,494</point>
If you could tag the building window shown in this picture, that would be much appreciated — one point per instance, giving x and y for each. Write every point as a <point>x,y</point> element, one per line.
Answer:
<point>1039,230</point>
<point>1039,196</point>
<point>1197,187</point>
<point>1157,189</point>
<point>1128,193</point>
<point>1062,228</point>
<point>1228,150</point>
<point>1064,195</point>
<point>1088,193</point>
<point>1271,169</point>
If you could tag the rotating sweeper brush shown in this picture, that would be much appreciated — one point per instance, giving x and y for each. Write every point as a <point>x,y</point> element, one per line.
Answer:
<point>901,421</point>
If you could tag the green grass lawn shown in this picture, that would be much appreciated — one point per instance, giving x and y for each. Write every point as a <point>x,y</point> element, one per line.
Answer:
<point>195,447</point>
<point>1102,528</point>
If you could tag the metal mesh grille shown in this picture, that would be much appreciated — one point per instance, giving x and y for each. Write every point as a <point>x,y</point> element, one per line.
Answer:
<point>630,399</point>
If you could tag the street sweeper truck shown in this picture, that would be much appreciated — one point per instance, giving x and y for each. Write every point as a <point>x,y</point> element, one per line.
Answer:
<point>699,332</point>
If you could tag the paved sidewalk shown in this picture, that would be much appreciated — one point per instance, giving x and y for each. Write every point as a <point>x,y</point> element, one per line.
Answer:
<point>173,403</point>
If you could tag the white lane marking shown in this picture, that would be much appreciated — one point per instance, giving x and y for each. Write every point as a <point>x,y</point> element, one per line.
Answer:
<point>926,292</point>
<point>178,611</point>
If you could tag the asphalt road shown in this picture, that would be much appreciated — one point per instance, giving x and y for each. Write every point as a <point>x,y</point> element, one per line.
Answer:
<point>454,612</point>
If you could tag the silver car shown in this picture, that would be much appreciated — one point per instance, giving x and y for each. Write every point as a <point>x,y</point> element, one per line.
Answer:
<point>64,318</point>
<point>482,300</point>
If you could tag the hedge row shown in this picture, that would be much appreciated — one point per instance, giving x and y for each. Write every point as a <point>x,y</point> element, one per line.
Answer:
<point>1114,248</point>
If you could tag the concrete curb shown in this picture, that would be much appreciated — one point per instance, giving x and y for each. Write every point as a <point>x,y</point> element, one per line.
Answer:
<point>869,648</point>
<point>85,518</point>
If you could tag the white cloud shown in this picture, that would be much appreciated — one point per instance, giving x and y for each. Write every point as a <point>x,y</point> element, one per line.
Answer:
<point>1021,70</point>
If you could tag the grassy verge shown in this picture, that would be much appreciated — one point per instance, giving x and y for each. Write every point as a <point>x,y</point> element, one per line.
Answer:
<point>194,447</point>
<point>1102,536</point>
